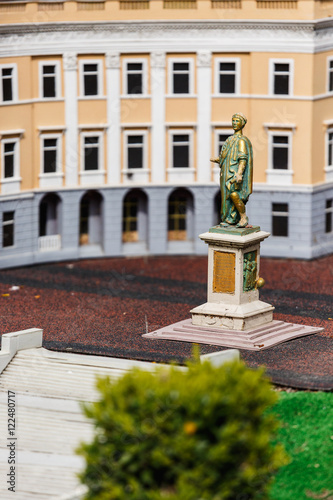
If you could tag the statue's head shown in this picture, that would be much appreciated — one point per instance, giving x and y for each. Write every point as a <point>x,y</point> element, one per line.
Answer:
<point>238,121</point>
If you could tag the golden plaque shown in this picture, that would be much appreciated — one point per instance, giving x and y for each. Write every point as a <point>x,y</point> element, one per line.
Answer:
<point>224,272</point>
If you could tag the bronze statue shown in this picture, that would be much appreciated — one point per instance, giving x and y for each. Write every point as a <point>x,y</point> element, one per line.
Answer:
<point>236,164</point>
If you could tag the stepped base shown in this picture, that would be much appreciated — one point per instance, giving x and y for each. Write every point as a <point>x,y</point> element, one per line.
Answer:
<point>239,317</point>
<point>255,339</point>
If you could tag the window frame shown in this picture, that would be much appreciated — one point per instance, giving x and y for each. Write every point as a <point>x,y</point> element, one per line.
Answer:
<point>329,212</point>
<point>171,134</point>
<point>329,72</point>
<point>135,60</point>
<point>271,79</point>
<point>280,214</point>
<point>58,137</point>
<point>7,223</point>
<point>329,145</point>
<point>128,133</point>
<point>14,80</point>
<point>100,154</point>
<point>100,87</point>
<point>57,75</point>
<point>190,61</point>
<point>217,62</point>
<point>217,132</point>
<point>16,162</point>
<point>271,134</point>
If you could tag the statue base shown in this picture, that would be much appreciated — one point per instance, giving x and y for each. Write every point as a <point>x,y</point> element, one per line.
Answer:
<point>255,339</point>
<point>233,272</point>
<point>233,315</point>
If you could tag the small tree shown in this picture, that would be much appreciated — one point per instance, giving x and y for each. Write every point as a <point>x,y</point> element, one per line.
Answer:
<point>200,434</point>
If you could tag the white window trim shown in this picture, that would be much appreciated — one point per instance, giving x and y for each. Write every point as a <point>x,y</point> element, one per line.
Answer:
<point>16,176</point>
<point>237,62</point>
<point>6,223</point>
<point>328,168</point>
<point>271,77</point>
<point>279,176</point>
<point>133,60</point>
<point>41,64</point>
<point>99,63</point>
<point>329,70</point>
<point>58,172</point>
<point>217,132</point>
<point>189,60</point>
<point>128,133</point>
<point>328,210</point>
<point>171,133</point>
<point>101,167</point>
<point>14,83</point>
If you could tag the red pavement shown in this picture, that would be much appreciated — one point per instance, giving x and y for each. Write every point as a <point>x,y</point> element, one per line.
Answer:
<point>104,306</point>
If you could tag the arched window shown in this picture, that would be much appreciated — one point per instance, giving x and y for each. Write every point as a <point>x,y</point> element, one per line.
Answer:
<point>180,215</point>
<point>49,223</point>
<point>91,226</point>
<point>135,214</point>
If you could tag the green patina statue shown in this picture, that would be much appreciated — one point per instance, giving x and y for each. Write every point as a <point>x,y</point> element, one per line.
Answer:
<point>236,164</point>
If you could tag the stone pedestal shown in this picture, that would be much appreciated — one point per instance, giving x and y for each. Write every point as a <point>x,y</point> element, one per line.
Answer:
<point>233,315</point>
<point>233,277</point>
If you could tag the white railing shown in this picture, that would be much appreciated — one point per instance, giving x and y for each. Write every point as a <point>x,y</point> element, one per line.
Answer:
<point>49,243</point>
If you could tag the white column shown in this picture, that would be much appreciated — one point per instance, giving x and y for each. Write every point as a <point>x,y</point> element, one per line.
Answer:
<point>71,119</point>
<point>112,62</point>
<point>158,90</point>
<point>204,138</point>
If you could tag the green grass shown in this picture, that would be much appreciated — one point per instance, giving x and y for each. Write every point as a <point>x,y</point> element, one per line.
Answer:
<point>307,434</point>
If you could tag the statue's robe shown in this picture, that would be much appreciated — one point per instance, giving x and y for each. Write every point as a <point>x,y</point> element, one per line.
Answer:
<point>235,148</point>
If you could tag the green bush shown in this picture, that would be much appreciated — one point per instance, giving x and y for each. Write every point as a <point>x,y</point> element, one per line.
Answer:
<point>199,434</point>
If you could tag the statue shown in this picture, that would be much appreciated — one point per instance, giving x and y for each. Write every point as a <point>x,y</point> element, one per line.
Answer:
<point>236,164</point>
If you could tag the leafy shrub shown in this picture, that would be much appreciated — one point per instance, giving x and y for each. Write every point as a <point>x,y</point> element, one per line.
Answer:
<point>200,434</point>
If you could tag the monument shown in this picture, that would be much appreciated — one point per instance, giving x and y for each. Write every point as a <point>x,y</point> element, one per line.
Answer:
<point>233,315</point>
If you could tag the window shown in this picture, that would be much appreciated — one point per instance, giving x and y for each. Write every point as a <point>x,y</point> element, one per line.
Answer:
<point>280,219</point>
<point>50,154</point>
<point>177,216</point>
<point>8,229</point>
<point>135,150</point>
<point>49,80</point>
<point>91,220</point>
<point>220,140</point>
<point>281,77</point>
<point>330,75</point>
<point>180,80</point>
<point>130,219</point>
<point>8,83</point>
<point>10,161</point>
<point>134,77</point>
<point>92,152</point>
<point>91,80</point>
<point>330,149</point>
<point>280,152</point>
<point>329,216</point>
<point>181,145</point>
<point>227,76</point>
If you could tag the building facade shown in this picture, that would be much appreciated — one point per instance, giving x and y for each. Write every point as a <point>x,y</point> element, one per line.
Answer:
<point>111,110</point>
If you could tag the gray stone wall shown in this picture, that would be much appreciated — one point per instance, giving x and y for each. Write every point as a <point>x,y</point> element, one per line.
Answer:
<point>306,239</point>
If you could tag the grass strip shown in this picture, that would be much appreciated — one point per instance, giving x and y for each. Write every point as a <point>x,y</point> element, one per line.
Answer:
<point>307,434</point>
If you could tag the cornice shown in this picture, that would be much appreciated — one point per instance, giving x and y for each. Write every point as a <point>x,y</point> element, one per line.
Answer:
<point>152,26</point>
<point>161,36</point>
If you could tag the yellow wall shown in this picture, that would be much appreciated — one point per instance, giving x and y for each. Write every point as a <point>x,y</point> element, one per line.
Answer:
<point>135,110</point>
<point>322,111</point>
<point>247,9</point>
<point>92,111</point>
